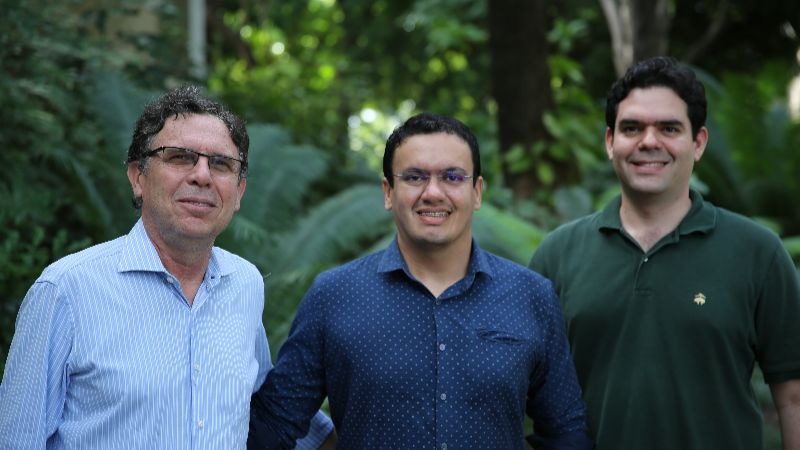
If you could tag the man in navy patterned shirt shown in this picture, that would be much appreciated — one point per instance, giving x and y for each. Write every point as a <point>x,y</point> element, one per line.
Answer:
<point>432,342</point>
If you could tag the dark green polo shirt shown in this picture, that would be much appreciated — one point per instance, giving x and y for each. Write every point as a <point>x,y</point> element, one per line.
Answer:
<point>665,341</point>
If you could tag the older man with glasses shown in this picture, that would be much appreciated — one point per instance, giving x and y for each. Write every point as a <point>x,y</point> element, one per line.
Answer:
<point>432,343</point>
<point>152,340</point>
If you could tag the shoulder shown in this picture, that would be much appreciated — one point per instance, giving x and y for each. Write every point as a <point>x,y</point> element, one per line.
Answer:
<point>87,260</point>
<point>569,237</point>
<point>739,223</point>
<point>356,269</point>
<point>233,262</point>
<point>504,271</point>
<point>579,226</point>
<point>743,232</point>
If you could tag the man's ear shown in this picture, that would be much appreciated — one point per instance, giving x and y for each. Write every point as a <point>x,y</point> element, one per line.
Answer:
<point>387,194</point>
<point>134,177</point>
<point>609,142</point>
<point>700,142</point>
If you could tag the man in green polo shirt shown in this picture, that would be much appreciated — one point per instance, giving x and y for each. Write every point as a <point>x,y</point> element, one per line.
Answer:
<point>670,301</point>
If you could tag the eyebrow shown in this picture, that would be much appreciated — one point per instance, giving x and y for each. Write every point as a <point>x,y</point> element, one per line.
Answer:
<point>667,122</point>
<point>447,169</point>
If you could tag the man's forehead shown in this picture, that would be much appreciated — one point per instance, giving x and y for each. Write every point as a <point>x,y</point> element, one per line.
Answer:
<point>435,150</point>
<point>653,105</point>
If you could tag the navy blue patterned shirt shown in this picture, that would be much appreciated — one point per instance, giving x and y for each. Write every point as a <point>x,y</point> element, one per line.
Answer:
<point>404,369</point>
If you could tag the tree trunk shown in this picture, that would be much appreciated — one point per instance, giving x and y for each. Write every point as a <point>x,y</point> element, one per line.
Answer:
<point>639,29</point>
<point>520,78</point>
<point>196,46</point>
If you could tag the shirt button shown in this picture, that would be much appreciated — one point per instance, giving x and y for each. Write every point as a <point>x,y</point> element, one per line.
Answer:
<point>443,396</point>
<point>437,302</point>
<point>197,367</point>
<point>441,347</point>
<point>646,259</point>
<point>200,423</point>
<point>444,446</point>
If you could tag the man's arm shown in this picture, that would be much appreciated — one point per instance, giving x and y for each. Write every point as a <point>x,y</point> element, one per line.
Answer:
<point>554,397</point>
<point>34,383</point>
<point>786,396</point>
<point>320,434</point>
<point>280,411</point>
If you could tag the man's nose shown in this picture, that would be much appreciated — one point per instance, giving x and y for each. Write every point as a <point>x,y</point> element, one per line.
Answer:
<point>650,138</point>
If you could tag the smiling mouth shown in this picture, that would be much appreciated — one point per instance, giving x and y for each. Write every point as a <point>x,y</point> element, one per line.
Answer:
<point>200,203</point>
<point>434,213</point>
<point>649,163</point>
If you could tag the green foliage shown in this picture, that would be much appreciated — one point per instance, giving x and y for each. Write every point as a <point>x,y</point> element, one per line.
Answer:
<point>49,205</point>
<point>23,252</point>
<point>280,175</point>
<point>792,245</point>
<point>314,67</point>
<point>505,234</point>
<point>751,162</point>
<point>316,64</point>
<point>336,230</point>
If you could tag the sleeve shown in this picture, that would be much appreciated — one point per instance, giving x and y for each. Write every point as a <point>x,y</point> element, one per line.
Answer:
<point>35,381</point>
<point>777,315</point>
<point>263,355</point>
<point>554,395</point>
<point>286,406</point>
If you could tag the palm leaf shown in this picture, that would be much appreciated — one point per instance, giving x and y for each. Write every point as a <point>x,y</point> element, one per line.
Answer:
<point>117,103</point>
<point>279,178</point>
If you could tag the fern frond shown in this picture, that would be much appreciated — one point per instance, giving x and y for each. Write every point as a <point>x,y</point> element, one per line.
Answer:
<point>335,229</point>
<point>279,177</point>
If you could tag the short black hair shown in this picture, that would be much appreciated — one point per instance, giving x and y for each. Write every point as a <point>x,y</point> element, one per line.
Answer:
<point>660,71</point>
<point>429,123</point>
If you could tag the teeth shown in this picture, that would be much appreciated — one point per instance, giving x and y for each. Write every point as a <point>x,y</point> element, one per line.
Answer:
<point>434,214</point>
<point>651,164</point>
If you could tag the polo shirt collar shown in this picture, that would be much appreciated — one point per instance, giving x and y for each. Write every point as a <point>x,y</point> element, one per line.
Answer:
<point>139,255</point>
<point>701,218</point>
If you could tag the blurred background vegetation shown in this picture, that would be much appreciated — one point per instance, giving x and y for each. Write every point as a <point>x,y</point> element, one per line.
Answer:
<point>322,83</point>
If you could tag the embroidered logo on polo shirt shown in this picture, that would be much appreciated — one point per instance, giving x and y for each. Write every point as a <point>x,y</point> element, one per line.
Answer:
<point>699,299</point>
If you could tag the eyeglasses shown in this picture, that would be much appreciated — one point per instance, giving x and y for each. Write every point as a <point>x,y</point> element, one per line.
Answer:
<point>419,178</point>
<point>185,159</point>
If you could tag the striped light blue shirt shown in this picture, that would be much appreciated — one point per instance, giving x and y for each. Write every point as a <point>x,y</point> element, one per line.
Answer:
<point>108,354</point>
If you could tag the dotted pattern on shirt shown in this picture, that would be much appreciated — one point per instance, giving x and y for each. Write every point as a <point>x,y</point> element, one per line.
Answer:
<point>403,369</point>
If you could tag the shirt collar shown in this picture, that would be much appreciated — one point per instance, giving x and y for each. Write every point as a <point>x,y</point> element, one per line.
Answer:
<point>392,260</point>
<point>140,255</point>
<point>701,218</point>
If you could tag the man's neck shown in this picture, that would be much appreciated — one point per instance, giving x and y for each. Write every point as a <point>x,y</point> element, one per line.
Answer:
<point>647,219</point>
<point>187,261</point>
<point>437,267</point>
<point>188,269</point>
